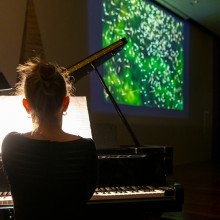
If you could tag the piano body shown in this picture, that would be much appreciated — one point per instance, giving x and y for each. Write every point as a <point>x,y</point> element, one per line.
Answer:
<point>132,182</point>
<point>136,182</point>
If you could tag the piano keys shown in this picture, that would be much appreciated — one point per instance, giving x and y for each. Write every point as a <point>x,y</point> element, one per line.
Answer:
<point>5,199</point>
<point>137,201</point>
<point>107,193</point>
<point>128,192</point>
<point>113,193</point>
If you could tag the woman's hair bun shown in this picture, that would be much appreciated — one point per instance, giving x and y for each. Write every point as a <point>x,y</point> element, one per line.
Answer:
<point>47,71</point>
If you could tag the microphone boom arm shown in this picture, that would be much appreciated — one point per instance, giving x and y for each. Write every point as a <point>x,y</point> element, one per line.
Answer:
<point>85,66</point>
<point>80,69</point>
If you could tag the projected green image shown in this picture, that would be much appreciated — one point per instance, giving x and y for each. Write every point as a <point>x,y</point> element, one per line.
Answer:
<point>148,71</point>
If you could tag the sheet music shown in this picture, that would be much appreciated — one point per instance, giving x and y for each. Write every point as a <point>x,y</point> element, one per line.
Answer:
<point>13,117</point>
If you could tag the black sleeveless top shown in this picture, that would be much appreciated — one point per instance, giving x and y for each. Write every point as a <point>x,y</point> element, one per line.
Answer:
<point>49,179</point>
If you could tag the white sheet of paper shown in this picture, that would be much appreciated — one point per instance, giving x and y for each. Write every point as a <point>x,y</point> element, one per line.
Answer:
<point>13,117</point>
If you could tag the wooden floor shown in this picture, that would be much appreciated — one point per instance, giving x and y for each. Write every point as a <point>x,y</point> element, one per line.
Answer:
<point>201,183</point>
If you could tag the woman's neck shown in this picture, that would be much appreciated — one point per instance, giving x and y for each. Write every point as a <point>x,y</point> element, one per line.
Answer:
<point>48,130</point>
<point>51,131</point>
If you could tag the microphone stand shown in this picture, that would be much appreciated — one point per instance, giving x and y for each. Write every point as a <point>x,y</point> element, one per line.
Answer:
<point>137,144</point>
<point>90,63</point>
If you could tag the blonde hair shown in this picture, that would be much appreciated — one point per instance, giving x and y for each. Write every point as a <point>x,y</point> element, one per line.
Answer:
<point>44,85</point>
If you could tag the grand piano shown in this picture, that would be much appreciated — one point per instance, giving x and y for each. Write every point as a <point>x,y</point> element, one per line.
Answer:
<point>133,181</point>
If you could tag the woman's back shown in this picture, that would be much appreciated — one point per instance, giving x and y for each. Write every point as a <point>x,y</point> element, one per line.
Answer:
<point>49,179</point>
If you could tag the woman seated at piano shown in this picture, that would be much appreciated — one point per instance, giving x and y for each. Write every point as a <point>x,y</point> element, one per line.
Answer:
<point>52,174</point>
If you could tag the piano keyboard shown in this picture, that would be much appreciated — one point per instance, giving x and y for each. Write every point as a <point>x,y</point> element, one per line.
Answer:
<point>108,193</point>
<point>127,192</point>
<point>5,198</point>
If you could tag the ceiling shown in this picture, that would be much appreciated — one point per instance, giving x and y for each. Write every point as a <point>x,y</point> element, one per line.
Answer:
<point>203,12</point>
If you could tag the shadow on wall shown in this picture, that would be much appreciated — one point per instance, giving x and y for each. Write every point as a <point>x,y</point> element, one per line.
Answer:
<point>104,135</point>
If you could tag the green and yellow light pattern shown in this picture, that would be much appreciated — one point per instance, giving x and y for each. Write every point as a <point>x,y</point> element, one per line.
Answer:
<point>148,71</point>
